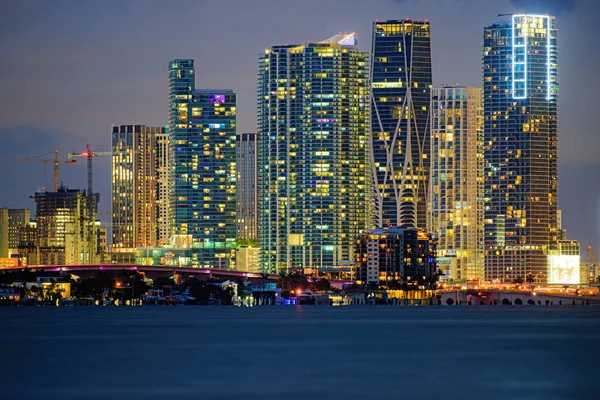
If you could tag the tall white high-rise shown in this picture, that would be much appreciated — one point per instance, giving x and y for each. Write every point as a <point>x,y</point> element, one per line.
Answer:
<point>455,212</point>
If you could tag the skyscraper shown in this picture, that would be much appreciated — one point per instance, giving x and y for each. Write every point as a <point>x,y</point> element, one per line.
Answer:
<point>134,187</point>
<point>400,95</point>
<point>313,178</point>
<point>455,214</point>
<point>246,185</point>
<point>520,138</point>
<point>163,187</point>
<point>202,129</point>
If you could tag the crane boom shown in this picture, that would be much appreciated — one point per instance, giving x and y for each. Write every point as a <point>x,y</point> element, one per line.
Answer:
<point>89,154</point>
<point>593,257</point>
<point>56,161</point>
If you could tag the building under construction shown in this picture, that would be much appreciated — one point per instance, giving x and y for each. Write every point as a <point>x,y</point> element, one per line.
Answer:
<point>64,233</point>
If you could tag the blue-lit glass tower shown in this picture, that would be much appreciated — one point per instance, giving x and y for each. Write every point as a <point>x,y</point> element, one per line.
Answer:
<point>400,134</point>
<point>520,146</point>
<point>313,175</point>
<point>202,129</point>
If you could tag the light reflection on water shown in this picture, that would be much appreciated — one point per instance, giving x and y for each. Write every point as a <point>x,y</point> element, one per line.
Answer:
<point>298,353</point>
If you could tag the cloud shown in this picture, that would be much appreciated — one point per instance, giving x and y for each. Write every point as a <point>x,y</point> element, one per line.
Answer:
<point>553,7</point>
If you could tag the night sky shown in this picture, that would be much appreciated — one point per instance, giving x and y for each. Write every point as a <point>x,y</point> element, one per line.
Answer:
<point>71,69</point>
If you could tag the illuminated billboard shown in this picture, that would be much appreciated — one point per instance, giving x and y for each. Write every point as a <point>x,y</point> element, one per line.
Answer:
<point>563,269</point>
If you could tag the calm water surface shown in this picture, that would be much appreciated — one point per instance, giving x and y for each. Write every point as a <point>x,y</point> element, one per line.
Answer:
<point>307,352</point>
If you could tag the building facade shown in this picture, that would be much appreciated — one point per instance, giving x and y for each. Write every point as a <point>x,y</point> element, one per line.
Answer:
<point>520,145</point>
<point>313,156</point>
<point>397,258</point>
<point>11,220</point>
<point>63,235</point>
<point>163,188</point>
<point>202,129</point>
<point>400,135</point>
<point>134,187</point>
<point>247,212</point>
<point>455,213</point>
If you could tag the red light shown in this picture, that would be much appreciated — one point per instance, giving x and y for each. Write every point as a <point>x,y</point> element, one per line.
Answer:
<point>479,294</point>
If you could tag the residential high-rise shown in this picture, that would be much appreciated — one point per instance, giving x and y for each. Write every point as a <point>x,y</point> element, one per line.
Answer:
<point>62,232</point>
<point>163,188</point>
<point>11,220</point>
<point>520,137</point>
<point>246,213</point>
<point>397,258</point>
<point>313,175</point>
<point>455,214</point>
<point>400,95</point>
<point>134,185</point>
<point>202,129</point>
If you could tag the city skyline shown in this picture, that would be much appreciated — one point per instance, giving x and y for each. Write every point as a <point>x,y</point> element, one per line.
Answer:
<point>575,161</point>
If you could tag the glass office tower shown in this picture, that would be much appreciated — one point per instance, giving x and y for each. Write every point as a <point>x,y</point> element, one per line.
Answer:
<point>455,214</point>
<point>400,94</point>
<point>202,128</point>
<point>313,175</point>
<point>520,146</point>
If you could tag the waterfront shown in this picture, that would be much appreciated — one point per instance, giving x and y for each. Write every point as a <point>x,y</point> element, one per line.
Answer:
<point>299,352</point>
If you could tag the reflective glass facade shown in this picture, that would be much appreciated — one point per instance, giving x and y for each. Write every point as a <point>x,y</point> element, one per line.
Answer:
<point>202,128</point>
<point>400,94</point>
<point>520,145</point>
<point>313,175</point>
<point>455,215</point>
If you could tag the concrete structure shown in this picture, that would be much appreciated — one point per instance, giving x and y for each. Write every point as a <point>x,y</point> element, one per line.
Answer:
<point>400,140</point>
<point>476,297</point>
<point>455,212</point>
<point>11,220</point>
<point>520,83</point>
<point>246,189</point>
<point>134,185</point>
<point>397,258</point>
<point>248,259</point>
<point>314,192</point>
<point>28,246</point>
<point>202,130</point>
<point>62,231</point>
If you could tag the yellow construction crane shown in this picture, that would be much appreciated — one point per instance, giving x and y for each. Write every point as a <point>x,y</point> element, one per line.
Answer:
<point>56,161</point>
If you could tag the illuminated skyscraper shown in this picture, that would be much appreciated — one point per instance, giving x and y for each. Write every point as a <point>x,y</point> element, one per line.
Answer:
<point>134,185</point>
<point>400,95</point>
<point>163,187</point>
<point>455,213</point>
<point>313,177</point>
<point>202,128</point>
<point>246,185</point>
<point>520,145</point>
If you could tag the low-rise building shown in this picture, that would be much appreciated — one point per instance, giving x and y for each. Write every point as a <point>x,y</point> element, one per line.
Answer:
<point>397,258</point>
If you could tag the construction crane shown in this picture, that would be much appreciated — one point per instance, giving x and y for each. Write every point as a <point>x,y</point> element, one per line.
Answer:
<point>56,161</point>
<point>92,197</point>
<point>90,155</point>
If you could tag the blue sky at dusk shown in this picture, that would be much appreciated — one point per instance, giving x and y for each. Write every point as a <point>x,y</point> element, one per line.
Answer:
<point>71,68</point>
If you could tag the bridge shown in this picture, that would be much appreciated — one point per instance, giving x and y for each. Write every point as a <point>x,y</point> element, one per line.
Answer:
<point>152,271</point>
